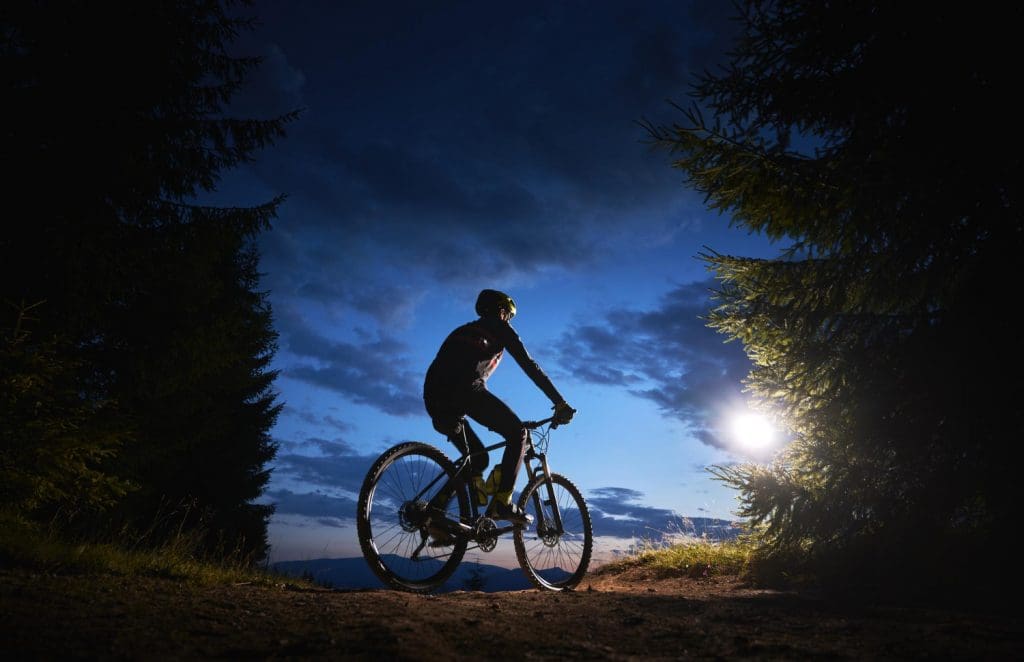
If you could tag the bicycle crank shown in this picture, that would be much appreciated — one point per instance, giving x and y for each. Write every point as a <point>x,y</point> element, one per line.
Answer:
<point>485,534</point>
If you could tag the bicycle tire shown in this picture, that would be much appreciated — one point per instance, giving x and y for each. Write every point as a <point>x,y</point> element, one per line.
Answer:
<point>555,563</point>
<point>387,542</point>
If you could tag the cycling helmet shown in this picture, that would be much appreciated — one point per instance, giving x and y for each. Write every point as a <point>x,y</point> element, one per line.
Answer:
<point>491,301</point>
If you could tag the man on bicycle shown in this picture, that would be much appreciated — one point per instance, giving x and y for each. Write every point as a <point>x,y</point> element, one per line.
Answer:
<point>456,387</point>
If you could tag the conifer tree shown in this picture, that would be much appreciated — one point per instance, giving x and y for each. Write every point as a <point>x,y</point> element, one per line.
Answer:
<point>869,138</point>
<point>152,336</point>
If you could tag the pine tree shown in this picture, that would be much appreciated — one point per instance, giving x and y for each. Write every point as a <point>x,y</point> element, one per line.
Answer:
<point>114,121</point>
<point>194,366</point>
<point>475,580</point>
<point>53,441</point>
<point>880,338</point>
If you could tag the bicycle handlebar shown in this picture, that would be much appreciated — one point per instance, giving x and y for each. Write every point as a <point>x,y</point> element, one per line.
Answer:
<point>533,425</point>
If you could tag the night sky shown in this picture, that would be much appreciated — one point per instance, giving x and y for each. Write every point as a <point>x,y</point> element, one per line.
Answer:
<point>445,148</point>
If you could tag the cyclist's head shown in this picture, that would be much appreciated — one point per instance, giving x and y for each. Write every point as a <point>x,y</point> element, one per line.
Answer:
<point>491,303</point>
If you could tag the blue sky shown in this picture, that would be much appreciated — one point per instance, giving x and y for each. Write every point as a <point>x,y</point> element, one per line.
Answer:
<point>448,147</point>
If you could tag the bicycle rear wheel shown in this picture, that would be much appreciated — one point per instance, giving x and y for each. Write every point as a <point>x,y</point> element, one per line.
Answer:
<point>392,518</point>
<point>554,560</point>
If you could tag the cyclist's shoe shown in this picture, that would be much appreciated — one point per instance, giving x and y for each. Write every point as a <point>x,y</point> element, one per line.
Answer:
<point>480,489</point>
<point>508,511</point>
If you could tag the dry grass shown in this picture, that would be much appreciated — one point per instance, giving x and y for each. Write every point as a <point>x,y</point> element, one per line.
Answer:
<point>27,546</point>
<point>689,558</point>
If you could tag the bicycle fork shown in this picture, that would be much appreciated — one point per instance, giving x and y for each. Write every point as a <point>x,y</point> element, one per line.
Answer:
<point>542,470</point>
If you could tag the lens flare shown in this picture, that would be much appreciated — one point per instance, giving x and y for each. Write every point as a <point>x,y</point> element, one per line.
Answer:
<point>753,431</point>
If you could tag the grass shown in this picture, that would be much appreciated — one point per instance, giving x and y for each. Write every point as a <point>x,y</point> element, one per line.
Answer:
<point>29,547</point>
<point>690,558</point>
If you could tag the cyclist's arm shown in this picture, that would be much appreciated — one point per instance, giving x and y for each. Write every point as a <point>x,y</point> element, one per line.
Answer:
<point>510,339</point>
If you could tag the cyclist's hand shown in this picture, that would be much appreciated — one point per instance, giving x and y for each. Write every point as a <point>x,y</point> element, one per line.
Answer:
<point>563,413</point>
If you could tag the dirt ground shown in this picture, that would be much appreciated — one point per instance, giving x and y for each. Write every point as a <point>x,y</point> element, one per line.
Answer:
<point>626,616</point>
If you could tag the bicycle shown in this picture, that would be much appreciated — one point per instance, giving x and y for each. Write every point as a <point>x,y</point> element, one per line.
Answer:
<point>394,517</point>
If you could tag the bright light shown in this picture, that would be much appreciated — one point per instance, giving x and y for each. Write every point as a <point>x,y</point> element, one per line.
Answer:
<point>753,430</point>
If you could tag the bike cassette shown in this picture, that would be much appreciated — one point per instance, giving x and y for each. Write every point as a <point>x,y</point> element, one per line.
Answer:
<point>484,534</point>
<point>412,515</point>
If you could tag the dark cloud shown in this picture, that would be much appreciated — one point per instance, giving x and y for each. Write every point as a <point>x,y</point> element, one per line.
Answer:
<point>328,510</point>
<point>316,419</point>
<point>272,89</point>
<point>616,495</point>
<point>373,372</point>
<point>390,305</point>
<point>617,512</point>
<point>337,466</point>
<point>470,139</point>
<point>667,355</point>
<point>337,423</point>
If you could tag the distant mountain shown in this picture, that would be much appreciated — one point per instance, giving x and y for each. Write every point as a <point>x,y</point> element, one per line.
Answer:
<point>355,573</point>
<point>339,573</point>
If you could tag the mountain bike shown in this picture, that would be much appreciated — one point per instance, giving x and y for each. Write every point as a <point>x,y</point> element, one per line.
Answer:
<point>395,517</point>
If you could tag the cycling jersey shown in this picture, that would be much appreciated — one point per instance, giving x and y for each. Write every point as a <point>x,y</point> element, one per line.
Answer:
<point>456,387</point>
<point>471,353</point>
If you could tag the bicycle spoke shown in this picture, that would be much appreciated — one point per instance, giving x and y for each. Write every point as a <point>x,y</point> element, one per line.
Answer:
<point>393,516</point>
<point>555,557</point>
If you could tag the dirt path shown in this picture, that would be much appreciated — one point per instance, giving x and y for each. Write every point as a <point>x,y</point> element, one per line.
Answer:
<point>54,617</point>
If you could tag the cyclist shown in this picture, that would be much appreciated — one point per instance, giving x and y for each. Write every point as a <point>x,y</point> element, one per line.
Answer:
<point>456,387</point>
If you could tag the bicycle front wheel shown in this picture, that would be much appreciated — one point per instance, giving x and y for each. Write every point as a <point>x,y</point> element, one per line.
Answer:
<point>554,557</point>
<point>392,518</point>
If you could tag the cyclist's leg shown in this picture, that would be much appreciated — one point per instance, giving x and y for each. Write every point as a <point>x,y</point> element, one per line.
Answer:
<point>467,441</point>
<point>489,410</point>
<point>448,418</point>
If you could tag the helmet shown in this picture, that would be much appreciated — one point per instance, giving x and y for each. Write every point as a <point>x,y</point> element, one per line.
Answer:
<point>491,301</point>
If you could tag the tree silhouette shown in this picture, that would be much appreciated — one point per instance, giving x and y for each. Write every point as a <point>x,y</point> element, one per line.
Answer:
<point>476,580</point>
<point>151,336</point>
<point>856,132</point>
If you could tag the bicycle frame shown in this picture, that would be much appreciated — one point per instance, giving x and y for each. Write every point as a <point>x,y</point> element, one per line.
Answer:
<point>416,536</point>
<point>536,464</point>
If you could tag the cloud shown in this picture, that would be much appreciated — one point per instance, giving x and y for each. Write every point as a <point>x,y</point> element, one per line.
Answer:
<point>392,306</point>
<point>317,420</point>
<point>373,373</point>
<point>337,466</point>
<point>615,496</point>
<point>617,512</point>
<point>667,355</point>
<point>331,467</point>
<point>327,510</point>
<point>480,158</point>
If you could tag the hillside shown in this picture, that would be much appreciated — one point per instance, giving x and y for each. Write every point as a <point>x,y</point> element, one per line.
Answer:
<point>354,574</point>
<point>620,616</point>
